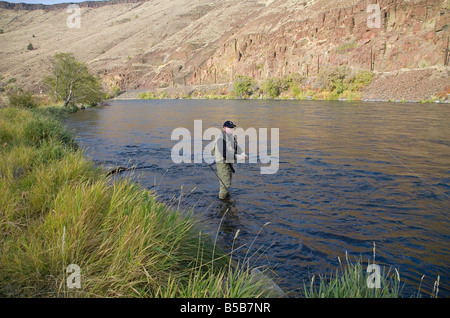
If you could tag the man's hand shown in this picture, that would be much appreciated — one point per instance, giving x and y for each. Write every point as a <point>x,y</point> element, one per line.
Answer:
<point>242,156</point>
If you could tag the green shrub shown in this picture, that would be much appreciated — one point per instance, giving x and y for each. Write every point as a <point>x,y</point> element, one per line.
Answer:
<point>362,78</point>
<point>341,82</point>
<point>351,95</point>
<point>115,91</point>
<point>21,99</point>
<point>272,87</point>
<point>148,95</point>
<point>294,79</point>
<point>244,86</point>
<point>58,113</point>
<point>44,129</point>
<point>333,79</point>
<point>347,46</point>
<point>297,92</point>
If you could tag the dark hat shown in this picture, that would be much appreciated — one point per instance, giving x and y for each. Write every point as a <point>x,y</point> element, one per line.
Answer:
<point>229,124</point>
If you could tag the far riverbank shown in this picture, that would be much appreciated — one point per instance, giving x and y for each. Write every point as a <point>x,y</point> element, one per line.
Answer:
<point>402,86</point>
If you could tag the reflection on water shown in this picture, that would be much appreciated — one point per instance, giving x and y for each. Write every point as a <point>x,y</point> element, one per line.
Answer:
<point>350,174</point>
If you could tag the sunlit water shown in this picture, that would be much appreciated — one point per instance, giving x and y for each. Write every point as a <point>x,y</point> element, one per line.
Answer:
<point>350,175</point>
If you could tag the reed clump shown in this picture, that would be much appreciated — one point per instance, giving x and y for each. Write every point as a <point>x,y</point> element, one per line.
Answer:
<point>354,279</point>
<point>351,280</point>
<point>57,208</point>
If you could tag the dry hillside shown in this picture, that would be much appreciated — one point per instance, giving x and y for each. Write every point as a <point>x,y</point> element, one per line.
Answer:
<point>143,44</point>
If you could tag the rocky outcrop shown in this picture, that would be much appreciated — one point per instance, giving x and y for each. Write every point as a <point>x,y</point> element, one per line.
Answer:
<point>412,35</point>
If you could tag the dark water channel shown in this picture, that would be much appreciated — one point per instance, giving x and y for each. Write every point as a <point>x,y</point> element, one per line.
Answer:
<point>350,174</point>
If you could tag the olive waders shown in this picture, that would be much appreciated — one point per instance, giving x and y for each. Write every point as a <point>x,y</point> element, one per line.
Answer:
<point>225,174</point>
<point>225,147</point>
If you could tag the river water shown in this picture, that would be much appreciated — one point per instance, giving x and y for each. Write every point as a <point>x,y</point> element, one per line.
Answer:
<point>350,175</point>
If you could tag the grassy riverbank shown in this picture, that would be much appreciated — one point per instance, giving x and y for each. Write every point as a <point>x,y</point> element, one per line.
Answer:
<point>58,209</point>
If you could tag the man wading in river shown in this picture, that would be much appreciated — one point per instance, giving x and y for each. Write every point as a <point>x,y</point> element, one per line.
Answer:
<point>226,151</point>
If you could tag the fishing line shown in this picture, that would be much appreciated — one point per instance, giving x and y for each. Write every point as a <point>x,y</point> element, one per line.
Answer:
<point>401,163</point>
<point>162,178</point>
<point>415,174</point>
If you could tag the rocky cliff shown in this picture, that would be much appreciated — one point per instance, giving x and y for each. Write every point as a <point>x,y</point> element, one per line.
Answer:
<point>412,34</point>
<point>143,44</point>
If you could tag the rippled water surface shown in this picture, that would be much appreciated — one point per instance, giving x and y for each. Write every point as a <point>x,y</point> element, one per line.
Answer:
<point>350,174</point>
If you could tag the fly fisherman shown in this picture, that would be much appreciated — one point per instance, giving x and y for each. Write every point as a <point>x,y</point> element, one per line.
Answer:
<point>226,152</point>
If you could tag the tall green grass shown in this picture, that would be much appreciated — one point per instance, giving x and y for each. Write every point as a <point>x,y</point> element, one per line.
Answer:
<point>350,280</point>
<point>57,209</point>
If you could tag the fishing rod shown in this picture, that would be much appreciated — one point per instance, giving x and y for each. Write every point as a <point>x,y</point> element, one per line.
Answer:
<point>217,175</point>
<point>120,169</point>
